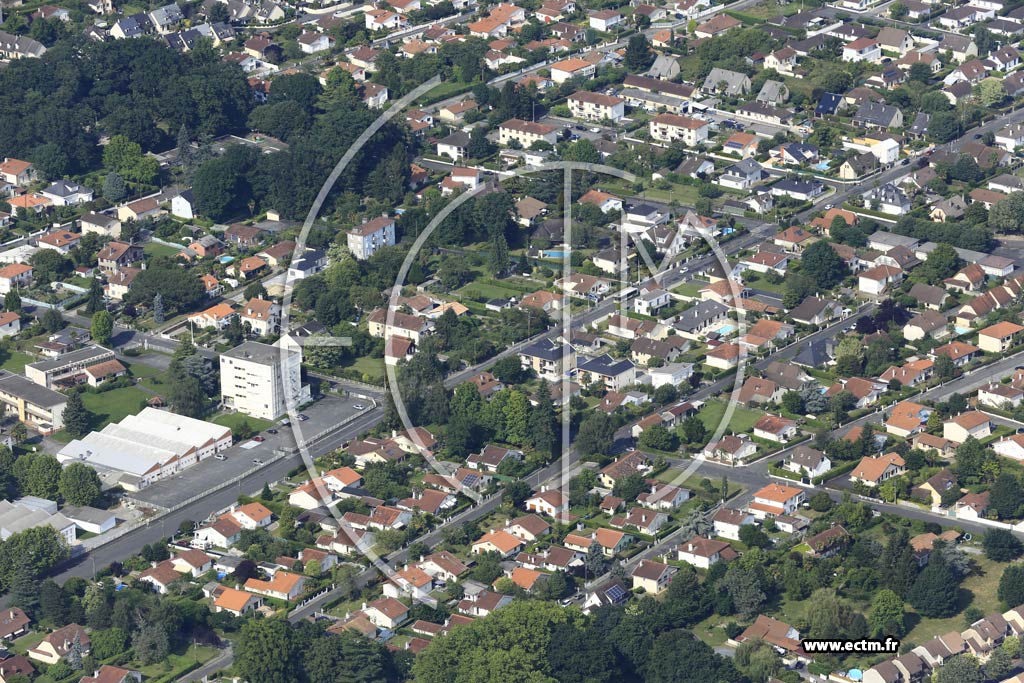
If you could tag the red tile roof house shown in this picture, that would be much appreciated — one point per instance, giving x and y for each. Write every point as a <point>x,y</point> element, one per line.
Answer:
<point>653,577</point>
<point>490,458</point>
<point>13,623</point>
<point>528,528</point>
<point>731,449</point>
<point>873,471</point>
<point>283,586</point>
<point>965,425</point>
<point>194,562</point>
<point>777,633</point>
<point>386,613</point>
<point>161,576</point>
<point>776,499</point>
<point>55,646</point>
<point>775,428</point>
<point>703,552</point>
<point>550,502</point>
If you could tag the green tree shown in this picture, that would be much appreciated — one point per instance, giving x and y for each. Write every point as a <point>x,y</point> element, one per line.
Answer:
<point>596,435</point>
<point>126,158</point>
<point>821,263</point>
<point>944,126</point>
<point>12,301</point>
<point>23,587</point>
<point>942,262</point>
<point>934,593</point>
<point>543,422</point>
<point>1001,545</point>
<point>102,327</point>
<point>265,651</point>
<point>1011,585</point>
<point>960,669</point>
<point>629,487</point>
<point>886,614</point>
<point>158,309</point>
<point>40,548</point>
<point>94,300</point>
<point>1006,496</point>
<point>78,419</point>
<point>345,658</point>
<point>51,320</point>
<point>693,430</point>
<point>497,255</point>
<point>48,265</point>
<point>186,395</point>
<point>150,642</point>
<point>80,485</point>
<point>480,147</point>
<point>114,187</point>
<point>754,537</point>
<point>639,56</point>
<point>1008,215</point>
<point>659,438</point>
<point>678,657</point>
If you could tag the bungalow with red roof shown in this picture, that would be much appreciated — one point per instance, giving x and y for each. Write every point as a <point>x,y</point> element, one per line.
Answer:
<point>874,470</point>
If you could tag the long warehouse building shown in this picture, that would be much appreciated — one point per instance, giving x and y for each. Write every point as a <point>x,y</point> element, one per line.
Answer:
<point>144,448</point>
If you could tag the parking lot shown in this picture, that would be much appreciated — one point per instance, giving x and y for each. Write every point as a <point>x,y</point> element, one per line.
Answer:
<point>240,458</point>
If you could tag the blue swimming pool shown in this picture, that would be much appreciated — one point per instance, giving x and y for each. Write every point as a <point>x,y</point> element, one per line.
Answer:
<point>226,259</point>
<point>726,329</point>
<point>554,254</point>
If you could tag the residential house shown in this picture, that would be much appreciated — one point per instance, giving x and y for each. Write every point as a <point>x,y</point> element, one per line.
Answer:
<point>874,470</point>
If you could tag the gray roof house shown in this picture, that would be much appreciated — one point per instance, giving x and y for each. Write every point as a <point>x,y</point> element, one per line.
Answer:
<point>773,92</point>
<point>878,115</point>
<point>694,321</point>
<point>727,82</point>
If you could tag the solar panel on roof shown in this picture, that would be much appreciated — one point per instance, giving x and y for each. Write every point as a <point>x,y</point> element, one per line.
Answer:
<point>616,593</point>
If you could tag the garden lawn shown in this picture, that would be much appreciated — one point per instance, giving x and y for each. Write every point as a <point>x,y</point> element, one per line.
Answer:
<point>487,290</point>
<point>157,249</point>
<point>688,289</point>
<point>372,367</point>
<point>742,420</point>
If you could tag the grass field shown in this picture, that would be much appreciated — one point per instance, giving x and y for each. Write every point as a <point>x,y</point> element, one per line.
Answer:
<point>15,361</point>
<point>372,367</point>
<point>742,420</point>
<point>475,290</point>
<point>978,590</point>
<point>688,289</point>
<point>175,665</point>
<point>110,406</point>
<point>235,420</point>
<point>157,249</point>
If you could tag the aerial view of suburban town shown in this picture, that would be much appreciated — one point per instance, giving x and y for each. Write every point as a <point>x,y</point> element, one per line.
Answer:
<point>532,341</point>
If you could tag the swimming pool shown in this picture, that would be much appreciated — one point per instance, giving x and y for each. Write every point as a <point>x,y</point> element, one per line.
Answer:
<point>554,254</point>
<point>226,259</point>
<point>726,329</point>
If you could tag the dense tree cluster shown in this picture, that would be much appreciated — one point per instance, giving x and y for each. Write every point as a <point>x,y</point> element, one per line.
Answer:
<point>134,88</point>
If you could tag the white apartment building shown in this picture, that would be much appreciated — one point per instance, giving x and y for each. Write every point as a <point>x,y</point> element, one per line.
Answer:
<point>596,107</point>
<point>526,133</point>
<point>260,380</point>
<point>364,240</point>
<point>672,127</point>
